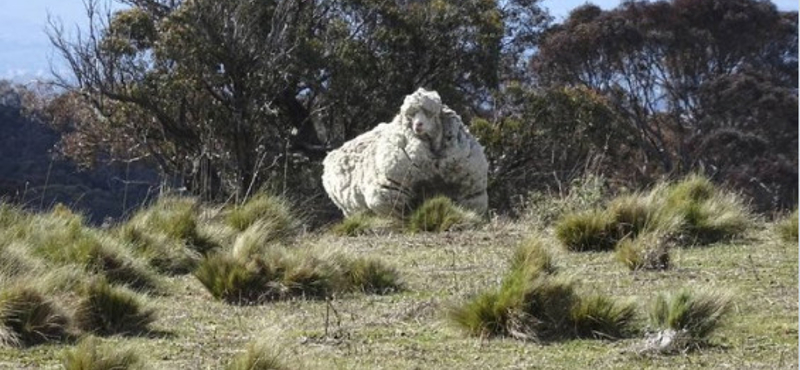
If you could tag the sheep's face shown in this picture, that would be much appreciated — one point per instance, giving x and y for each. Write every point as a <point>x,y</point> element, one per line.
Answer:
<point>423,123</point>
<point>420,113</point>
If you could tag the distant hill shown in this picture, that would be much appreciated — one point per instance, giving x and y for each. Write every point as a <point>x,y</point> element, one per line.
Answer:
<point>31,175</point>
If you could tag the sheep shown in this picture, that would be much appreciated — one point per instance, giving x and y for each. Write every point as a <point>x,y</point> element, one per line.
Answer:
<point>424,151</point>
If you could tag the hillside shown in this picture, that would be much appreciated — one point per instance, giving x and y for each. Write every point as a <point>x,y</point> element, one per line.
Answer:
<point>32,174</point>
<point>410,328</point>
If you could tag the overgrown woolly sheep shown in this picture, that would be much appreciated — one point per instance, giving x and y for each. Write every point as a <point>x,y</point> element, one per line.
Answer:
<point>424,151</point>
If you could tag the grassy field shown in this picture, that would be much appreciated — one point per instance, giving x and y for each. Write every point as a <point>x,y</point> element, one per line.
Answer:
<point>410,329</point>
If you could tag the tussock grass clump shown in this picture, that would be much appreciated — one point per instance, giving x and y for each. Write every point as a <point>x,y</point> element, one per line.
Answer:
<point>305,275</point>
<point>271,210</point>
<point>164,254</point>
<point>708,214</point>
<point>232,280</point>
<point>488,314</point>
<point>586,231</point>
<point>280,273</point>
<point>89,354</point>
<point>16,262</point>
<point>648,252</point>
<point>175,217</point>
<point>11,216</point>
<point>261,236</point>
<point>257,356</point>
<point>108,310</point>
<point>582,194</point>
<point>693,210</point>
<point>440,214</point>
<point>532,255</point>
<point>603,318</point>
<point>693,314</point>
<point>31,319</point>
<point>787,228</point>
<point>720,218</point>
<point>276,275</point>
<point>637,214</point>
<point>363,224</point>
<point>534,303</point>
<point>694,188</point>
<point>371,276</point>
<point>60,238</point>
<point>169,235</point>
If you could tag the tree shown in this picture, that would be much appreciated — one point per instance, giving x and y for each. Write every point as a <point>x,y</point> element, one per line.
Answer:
<point>229,95</point>
<point>684,72</point>
<point>539,137</point>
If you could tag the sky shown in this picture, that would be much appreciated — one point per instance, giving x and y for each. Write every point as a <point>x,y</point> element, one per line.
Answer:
<point>26,52</point>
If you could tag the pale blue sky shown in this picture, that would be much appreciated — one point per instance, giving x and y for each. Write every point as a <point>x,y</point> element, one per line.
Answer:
<point>25,51</point>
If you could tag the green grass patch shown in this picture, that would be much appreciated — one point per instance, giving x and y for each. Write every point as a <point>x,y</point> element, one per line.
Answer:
<point>60,238</point>
<point>533,256</point>
<point>601,317</point>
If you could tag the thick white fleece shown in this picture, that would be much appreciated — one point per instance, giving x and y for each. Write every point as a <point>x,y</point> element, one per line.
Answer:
<point>395,166</point>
